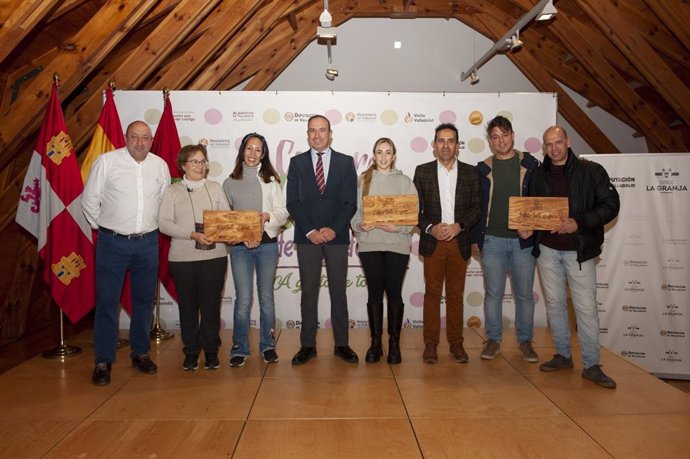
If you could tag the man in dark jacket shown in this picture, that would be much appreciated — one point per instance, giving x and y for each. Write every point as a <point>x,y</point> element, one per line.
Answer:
<point>568,253</point>
<point>504,174</point>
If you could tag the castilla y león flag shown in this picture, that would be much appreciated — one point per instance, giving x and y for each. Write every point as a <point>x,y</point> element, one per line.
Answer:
<point>50,209</point>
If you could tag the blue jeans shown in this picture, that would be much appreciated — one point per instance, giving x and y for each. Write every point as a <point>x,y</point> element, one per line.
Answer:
<point>114,255</point>
<point>501,256</point>
<point>242,262</point>
<point>555,267</point>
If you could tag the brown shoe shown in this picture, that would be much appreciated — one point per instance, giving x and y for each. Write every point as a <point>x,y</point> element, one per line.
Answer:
<point>458,353</point>
<point>430,355</point>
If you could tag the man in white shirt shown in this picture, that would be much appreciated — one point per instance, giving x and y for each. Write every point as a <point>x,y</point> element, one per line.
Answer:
<point>121,199</point>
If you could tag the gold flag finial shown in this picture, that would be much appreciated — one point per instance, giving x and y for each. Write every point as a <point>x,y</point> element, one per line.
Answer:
<point>111,83</point>
<point>166,93</point>
<point>56,78</point>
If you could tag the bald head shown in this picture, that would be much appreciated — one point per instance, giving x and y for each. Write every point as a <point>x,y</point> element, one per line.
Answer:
<point>138,139</point>
<point>556,144</point>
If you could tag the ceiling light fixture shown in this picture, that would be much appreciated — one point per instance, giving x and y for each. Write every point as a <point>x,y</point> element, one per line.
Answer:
<point>511,39</point>
<point>548,12</point>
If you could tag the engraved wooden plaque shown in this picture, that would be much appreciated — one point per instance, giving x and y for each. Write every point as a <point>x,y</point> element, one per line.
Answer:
<point>400,210</point>
<point>232,225</point>
<point>536,213</point>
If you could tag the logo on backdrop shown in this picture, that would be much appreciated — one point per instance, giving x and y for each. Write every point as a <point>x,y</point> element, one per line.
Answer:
<point>672,334</point>
<point>631,308</point>
<point>669,181</point>
<point>673,287</point>
<point>672,310</point>
<point>634,286</point>
<point>633,354</point>
<point>245,115</point>
<point>635,263</point>
<point>671,356</point>
<point>419,118</point>
<point>672,264</point>
<point>623,182</point>
<point>297,117</point>
<point>633,331</point>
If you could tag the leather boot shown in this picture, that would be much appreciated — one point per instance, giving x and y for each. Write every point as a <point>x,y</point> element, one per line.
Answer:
<point>375,313</point>
<point>395,319</point>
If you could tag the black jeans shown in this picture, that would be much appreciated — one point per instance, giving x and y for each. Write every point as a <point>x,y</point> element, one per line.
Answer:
<point>385,272</point>
<point>199,287</point>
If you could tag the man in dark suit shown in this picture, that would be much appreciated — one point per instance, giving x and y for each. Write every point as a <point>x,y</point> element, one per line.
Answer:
<point>449,205</point>
<point>322,198</point>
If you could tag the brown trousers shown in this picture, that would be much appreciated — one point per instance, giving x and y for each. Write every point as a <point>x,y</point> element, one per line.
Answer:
<point>444,265</point>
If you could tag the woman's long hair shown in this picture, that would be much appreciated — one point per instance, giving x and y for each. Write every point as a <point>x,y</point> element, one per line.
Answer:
<point>367,174</point>
<point>266,171</point>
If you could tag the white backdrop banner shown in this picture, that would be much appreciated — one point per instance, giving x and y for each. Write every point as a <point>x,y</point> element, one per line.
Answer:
<point>644,272</point>
<point>221,119</point>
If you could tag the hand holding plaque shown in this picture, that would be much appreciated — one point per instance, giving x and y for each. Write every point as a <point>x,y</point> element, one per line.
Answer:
<point>233,225</point>
<point>536,213</point>
<point>398,210</point>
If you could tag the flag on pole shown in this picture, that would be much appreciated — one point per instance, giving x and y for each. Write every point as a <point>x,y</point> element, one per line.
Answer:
<point>106,137</point>
<point>50,209</point>
<point>166,144</point>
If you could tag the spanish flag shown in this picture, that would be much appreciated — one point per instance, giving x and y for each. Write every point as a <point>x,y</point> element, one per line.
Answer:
<point>108,135</point>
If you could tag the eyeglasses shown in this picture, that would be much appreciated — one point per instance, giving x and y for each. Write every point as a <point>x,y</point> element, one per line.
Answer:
<point>197,162</point>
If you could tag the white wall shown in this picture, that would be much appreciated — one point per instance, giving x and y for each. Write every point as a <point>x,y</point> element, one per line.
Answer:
<point>433,55</point>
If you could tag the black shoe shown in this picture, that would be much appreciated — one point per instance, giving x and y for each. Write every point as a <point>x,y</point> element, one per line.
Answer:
<point>375,351</point>
<point>101,374</point>
<point>238,361</point>
<point>558,362</point>
<point>212,362</point>
<point>303,355</point>
<point>270,356</point>
<point>144,364</point>
<point>191,363</point>
<point>595,374</point>
<point>345,353</point>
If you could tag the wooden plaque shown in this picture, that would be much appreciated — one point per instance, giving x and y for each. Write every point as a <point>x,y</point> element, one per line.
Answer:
<point>536,213</point>
<point>232,225</point>
<point>400,210</point>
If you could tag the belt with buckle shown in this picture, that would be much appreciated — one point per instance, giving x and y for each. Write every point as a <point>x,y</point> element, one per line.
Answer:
<point>127,236</point>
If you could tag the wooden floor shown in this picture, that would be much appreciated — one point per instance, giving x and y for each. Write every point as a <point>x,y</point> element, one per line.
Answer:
<point>331,409</point>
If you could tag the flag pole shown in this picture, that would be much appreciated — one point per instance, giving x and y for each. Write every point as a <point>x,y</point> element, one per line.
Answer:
<point>158,333</point>
<point>63,349</point>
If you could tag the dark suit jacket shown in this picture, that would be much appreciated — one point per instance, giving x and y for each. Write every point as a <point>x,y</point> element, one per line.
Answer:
<point>467,205</point>
<point>310,209</point>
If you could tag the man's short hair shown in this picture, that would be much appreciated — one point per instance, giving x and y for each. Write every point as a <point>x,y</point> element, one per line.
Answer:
<point>500,122</point>
<point>322,117</point>
<point>443,126</point>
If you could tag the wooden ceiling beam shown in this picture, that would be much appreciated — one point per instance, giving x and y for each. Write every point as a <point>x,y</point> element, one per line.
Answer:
<point>647,120</point>
<point>220,25</point>
<point>675,16</point>
<point>244,40</point>
<point>142,61</point>
<point>20,20</point>
<point>488,23</point>
<point>85,51</point>
<point>614,25</point>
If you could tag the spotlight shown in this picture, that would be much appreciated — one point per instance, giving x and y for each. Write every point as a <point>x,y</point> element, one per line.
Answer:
<point>548,12</point>
<point>474,78</point>
<point>325,19</point>
<point>331,73</point>
<point>515,42</point>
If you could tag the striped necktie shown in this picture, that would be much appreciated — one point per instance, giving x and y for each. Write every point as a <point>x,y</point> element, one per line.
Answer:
<point>320,180</point>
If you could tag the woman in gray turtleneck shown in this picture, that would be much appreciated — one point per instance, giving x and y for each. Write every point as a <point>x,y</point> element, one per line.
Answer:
<point>198,265</point>
<point>255,185</point>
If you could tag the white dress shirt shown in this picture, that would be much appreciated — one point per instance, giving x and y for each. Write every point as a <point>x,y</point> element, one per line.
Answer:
<point>124,195</point>
<point>447,182</point>
<point>325,159</point>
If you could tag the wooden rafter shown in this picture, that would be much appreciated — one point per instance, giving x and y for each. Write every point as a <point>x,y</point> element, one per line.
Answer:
<point>611,22</point>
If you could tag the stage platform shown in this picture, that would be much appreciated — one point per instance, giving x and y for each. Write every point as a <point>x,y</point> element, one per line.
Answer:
<point>331,409</point>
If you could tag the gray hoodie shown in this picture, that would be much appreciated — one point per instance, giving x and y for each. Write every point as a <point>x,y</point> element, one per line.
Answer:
<point>378,240</point>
